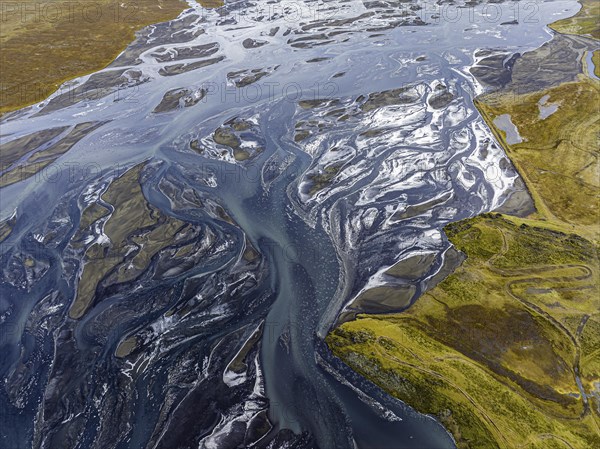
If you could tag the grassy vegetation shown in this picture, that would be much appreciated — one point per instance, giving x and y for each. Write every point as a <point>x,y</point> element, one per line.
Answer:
<point>480,410</point>
<point>64,40</point>
<point>492,350</point>
<point>495,349</point>
<point>584,22</point>
<point>558,158</point>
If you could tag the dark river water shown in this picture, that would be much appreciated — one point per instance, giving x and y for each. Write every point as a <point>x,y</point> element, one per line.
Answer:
<point>340,143</point>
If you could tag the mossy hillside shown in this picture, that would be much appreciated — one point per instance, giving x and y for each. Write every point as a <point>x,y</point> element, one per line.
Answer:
<point>469,400</point>
<point>539,281</point>
<point>509,242</point>
<point>596,62</point>
<point>558,158</point>
<point>590,359</point>
<point>501,366</point>
<point>395,357</point>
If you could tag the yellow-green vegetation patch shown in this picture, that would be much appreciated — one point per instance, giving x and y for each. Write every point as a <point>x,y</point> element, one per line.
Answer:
<point>471,402</point>
<point>485,351</point>
<point>559,155</point>
<point>590,337</point>
<point>596,62</point>
<point>513,245</point>
<point>584,22</point>
<point>63,40</point>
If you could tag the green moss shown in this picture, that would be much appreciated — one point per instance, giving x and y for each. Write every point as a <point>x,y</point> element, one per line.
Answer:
<point>596,61</point>
<point>483,351</point>
<point>481,242</point>
<point>559,156</point>
<point>482,238</point>
<point>472,401</point>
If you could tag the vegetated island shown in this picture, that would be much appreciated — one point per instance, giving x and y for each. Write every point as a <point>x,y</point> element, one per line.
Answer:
<point>505,351</point>
<point>45,44</point>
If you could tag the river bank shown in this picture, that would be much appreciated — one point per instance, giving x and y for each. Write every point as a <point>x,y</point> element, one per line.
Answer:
<point>502,351</point>
<point>65,40</point>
